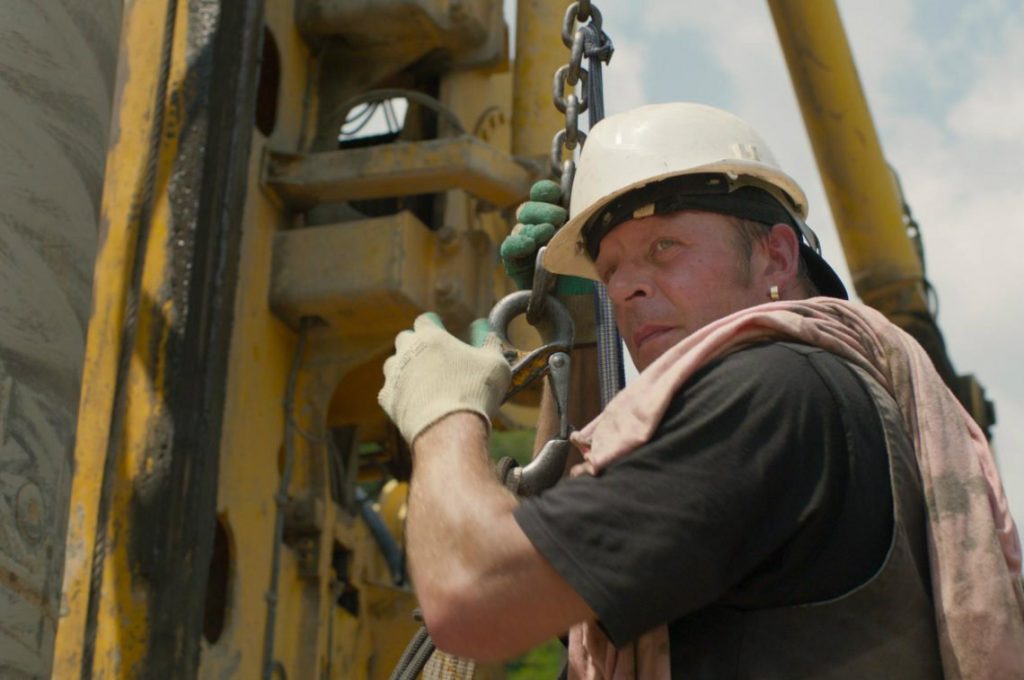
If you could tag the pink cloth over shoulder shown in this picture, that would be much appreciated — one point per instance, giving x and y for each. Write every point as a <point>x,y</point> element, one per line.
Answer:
<point>974,549</point>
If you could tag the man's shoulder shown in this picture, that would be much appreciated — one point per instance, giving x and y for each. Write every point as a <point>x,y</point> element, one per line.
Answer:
<point>777,363</point>
<point>780,382</point>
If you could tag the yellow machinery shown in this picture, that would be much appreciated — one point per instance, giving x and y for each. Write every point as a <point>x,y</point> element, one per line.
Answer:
<point>237,501</point>
<point>252,278</point>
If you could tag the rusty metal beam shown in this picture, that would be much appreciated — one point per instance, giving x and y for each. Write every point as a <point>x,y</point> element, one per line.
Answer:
<point>401,169</point>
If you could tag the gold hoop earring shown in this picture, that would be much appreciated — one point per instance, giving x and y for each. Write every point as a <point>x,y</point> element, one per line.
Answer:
<point>773,293</point>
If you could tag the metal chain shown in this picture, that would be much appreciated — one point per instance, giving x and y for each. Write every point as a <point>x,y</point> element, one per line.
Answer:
<point>587,41</point>
<point>566,80</point>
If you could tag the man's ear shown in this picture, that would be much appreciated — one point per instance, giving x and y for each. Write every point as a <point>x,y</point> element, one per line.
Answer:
<point>781,251</point>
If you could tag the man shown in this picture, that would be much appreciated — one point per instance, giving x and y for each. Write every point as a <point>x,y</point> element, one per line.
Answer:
<point>770,520</point>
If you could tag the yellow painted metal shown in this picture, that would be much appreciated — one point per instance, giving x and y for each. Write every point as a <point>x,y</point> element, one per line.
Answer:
<point>862,192</point>
<point>372,277</point>
<point>121,619</point>
<point>488,100</point>
<point>328,552</point>
<point>539,53</point>
<point>400,169</point>
<point>470,33</point>
<point>383,271</point>
<point>313,636</point>
<point>252,438</point>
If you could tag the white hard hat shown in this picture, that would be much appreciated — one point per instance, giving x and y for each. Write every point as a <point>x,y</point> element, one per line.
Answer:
<point>651,144</point>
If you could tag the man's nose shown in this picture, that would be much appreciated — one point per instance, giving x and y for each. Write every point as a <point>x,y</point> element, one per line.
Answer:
<point>628,284</point>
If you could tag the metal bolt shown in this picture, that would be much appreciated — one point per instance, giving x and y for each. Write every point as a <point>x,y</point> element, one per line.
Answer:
<point>446,235</point>
<point>448,292</point>
<point>444,289</point>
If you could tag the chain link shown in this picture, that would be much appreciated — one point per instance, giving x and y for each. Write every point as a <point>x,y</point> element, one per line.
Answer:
<point>587,41</point>
<point>564,88</point>
<point>581,12</point>
<point>559,86</point>
<point>576,58</point>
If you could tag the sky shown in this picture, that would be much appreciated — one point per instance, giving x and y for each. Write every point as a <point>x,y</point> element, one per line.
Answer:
<point>944,81</point>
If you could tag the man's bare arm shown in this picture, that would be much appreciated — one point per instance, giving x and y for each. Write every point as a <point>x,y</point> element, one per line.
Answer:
<point>485,591</point>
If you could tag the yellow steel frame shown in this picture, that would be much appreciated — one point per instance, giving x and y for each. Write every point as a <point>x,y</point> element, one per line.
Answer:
<point>122,616</point>
<point>336,381</point>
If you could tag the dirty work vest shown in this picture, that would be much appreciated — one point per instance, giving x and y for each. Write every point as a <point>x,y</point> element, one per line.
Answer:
<point>884,628</point>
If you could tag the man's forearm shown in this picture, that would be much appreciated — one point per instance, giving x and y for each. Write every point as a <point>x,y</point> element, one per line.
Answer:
<point>484,589</point>
<point>456,509</point>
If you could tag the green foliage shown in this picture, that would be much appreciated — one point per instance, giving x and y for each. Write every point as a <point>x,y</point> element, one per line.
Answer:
<point>543,662</point>
<point>540,663</point>
<point>515,443</point>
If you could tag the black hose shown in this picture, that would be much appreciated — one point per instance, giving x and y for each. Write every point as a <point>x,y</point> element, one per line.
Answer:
<point>385,541</point>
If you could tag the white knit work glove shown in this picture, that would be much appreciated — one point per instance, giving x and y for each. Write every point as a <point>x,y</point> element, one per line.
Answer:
<point>433,373</point>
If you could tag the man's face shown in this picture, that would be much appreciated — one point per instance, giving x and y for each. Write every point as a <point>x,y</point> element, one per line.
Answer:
<point>668,275</point>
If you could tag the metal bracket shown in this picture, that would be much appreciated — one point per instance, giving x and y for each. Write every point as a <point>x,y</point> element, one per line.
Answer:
<point>399,169</point>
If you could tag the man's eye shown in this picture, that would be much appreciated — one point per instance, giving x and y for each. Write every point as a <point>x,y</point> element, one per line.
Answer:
<point>663,244</point>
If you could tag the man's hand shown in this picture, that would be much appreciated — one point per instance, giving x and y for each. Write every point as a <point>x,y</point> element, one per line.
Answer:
<point>434,373</point>
<point>537,221</point>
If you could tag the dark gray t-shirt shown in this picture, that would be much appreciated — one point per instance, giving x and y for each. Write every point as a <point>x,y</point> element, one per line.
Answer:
<point>765,484</point>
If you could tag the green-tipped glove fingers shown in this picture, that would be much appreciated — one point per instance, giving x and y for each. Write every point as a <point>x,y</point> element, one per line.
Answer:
<point>433,373</point>
<point>537,221</point>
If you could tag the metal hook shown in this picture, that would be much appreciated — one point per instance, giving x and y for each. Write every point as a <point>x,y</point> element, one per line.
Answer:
<point>556,327</point>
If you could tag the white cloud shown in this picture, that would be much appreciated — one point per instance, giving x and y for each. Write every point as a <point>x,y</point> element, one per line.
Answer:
<point>626,76</point>
<point>993,109</point>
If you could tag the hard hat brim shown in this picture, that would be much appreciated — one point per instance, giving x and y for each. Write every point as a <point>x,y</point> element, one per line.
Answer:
<point>822,275</point>
<point>566,254</point>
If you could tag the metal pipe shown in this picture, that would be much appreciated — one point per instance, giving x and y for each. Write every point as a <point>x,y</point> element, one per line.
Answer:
<point>862,193</point>
<point>862,190</point>
<point>539,53</point>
